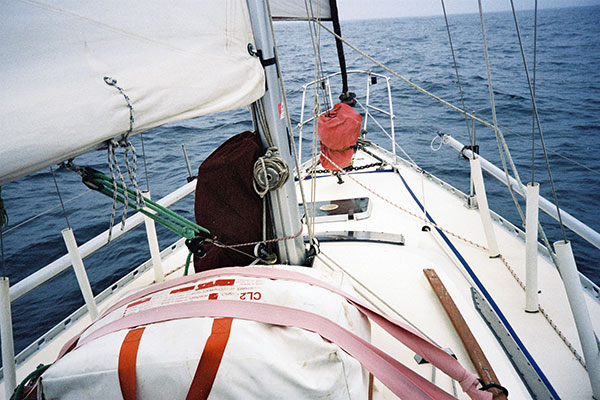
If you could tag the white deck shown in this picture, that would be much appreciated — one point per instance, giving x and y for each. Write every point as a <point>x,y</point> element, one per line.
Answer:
<point>394,274</point>
<point>391,277</point>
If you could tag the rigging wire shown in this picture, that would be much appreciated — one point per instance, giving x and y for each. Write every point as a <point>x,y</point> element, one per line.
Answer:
<point>385,132</point>
<point>502,147</point>
<point>444,102</point>
<point>533,85</point>
<point>2,253</point>
<point>315,37</point>
<point>60,198</point>
<point>145,164</point>
<point>556,153</point>
<point>537,120</point>
<point>462,99</point>
<point>3,223</point>
<point>49,210</point>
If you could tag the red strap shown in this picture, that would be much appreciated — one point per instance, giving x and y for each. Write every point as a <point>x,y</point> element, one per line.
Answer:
<point>127,362</point>
<point>210,360</point>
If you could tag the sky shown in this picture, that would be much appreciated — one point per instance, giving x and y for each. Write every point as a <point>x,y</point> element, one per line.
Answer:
<point>368,9</point>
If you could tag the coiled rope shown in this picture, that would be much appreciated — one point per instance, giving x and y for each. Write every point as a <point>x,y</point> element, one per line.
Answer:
<point>270,172</point>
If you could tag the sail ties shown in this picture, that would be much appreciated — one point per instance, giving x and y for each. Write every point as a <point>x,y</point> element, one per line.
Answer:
<point>113,163</point>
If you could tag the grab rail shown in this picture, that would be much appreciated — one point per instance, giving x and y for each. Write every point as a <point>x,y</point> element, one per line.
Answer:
<point>548,207</point>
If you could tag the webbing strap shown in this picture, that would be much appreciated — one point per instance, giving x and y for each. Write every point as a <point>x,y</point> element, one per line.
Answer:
<point>404,333</point>
<point>210,360</point>
<point>399,379</point>
<point>127,363</point>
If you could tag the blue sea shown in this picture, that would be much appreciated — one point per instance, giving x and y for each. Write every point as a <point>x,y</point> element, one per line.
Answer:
<point>567,95</point>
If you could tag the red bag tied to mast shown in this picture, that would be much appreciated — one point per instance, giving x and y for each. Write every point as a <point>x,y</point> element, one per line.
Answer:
<point>338,131</point>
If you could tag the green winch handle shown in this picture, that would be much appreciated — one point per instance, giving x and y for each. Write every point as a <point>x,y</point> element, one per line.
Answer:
<point>195,234</point>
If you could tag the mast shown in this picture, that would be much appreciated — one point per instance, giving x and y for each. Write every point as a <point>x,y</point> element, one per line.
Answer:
<point>284,203</point>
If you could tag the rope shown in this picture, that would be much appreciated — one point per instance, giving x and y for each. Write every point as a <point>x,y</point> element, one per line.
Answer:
<point>545,314</point>
<point>187,263</point>
<point>233,246</point>
<point>270,172</point>
<point>113,163</point>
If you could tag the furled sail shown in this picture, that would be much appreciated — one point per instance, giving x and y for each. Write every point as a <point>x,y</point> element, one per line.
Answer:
<point>174,61</point>
<point>301,9</point>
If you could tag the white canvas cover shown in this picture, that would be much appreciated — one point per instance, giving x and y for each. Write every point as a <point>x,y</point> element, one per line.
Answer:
<point>175,60</point>
<point>260,361</point>
<point>297,9</point>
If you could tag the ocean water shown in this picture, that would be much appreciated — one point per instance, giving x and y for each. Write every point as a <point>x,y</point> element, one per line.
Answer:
<point>567,95</point>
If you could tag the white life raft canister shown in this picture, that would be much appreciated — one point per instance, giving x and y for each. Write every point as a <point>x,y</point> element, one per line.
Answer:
<point>181,357</point>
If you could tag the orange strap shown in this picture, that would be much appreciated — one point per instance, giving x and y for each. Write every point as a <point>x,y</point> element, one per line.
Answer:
<point>127,362</point>
<point>210,360</point>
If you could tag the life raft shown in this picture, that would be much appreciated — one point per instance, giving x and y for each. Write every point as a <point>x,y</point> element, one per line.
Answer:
<point>241,333</point>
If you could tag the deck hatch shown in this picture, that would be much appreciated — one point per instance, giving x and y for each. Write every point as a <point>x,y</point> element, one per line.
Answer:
<point>339,210</point>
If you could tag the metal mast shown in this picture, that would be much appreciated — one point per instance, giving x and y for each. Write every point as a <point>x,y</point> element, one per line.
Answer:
<point>284,203</point>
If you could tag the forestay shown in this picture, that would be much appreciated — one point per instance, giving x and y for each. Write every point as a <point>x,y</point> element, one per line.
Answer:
<point>175,61</point>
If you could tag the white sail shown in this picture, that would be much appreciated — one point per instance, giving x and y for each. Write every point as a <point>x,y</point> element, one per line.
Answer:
<point>174,61</point>
<point>300,9</point>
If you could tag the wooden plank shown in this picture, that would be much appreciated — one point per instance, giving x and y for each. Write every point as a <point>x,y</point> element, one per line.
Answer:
<point>478,358</point>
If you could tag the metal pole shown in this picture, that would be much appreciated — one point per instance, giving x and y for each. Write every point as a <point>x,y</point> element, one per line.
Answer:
<point>484,211</point>
<point>589,343</point>
<point>531,252</point>
<point>367,101</point>
<point>159,275</point>
<point>392,116</point>
<point>82,278</point>
<point>6,335</point>
<point>286,216</point>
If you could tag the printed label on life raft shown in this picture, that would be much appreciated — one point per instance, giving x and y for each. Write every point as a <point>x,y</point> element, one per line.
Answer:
<point>246,289</point>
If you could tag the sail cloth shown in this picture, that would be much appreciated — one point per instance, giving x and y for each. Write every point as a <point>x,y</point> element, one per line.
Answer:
<point>174,62</point>
<point>297,9</point>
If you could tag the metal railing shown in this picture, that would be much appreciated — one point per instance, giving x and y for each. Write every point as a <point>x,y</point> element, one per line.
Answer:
<point>575,225</point>
<point>51,270</point>
<point>371,78</point>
